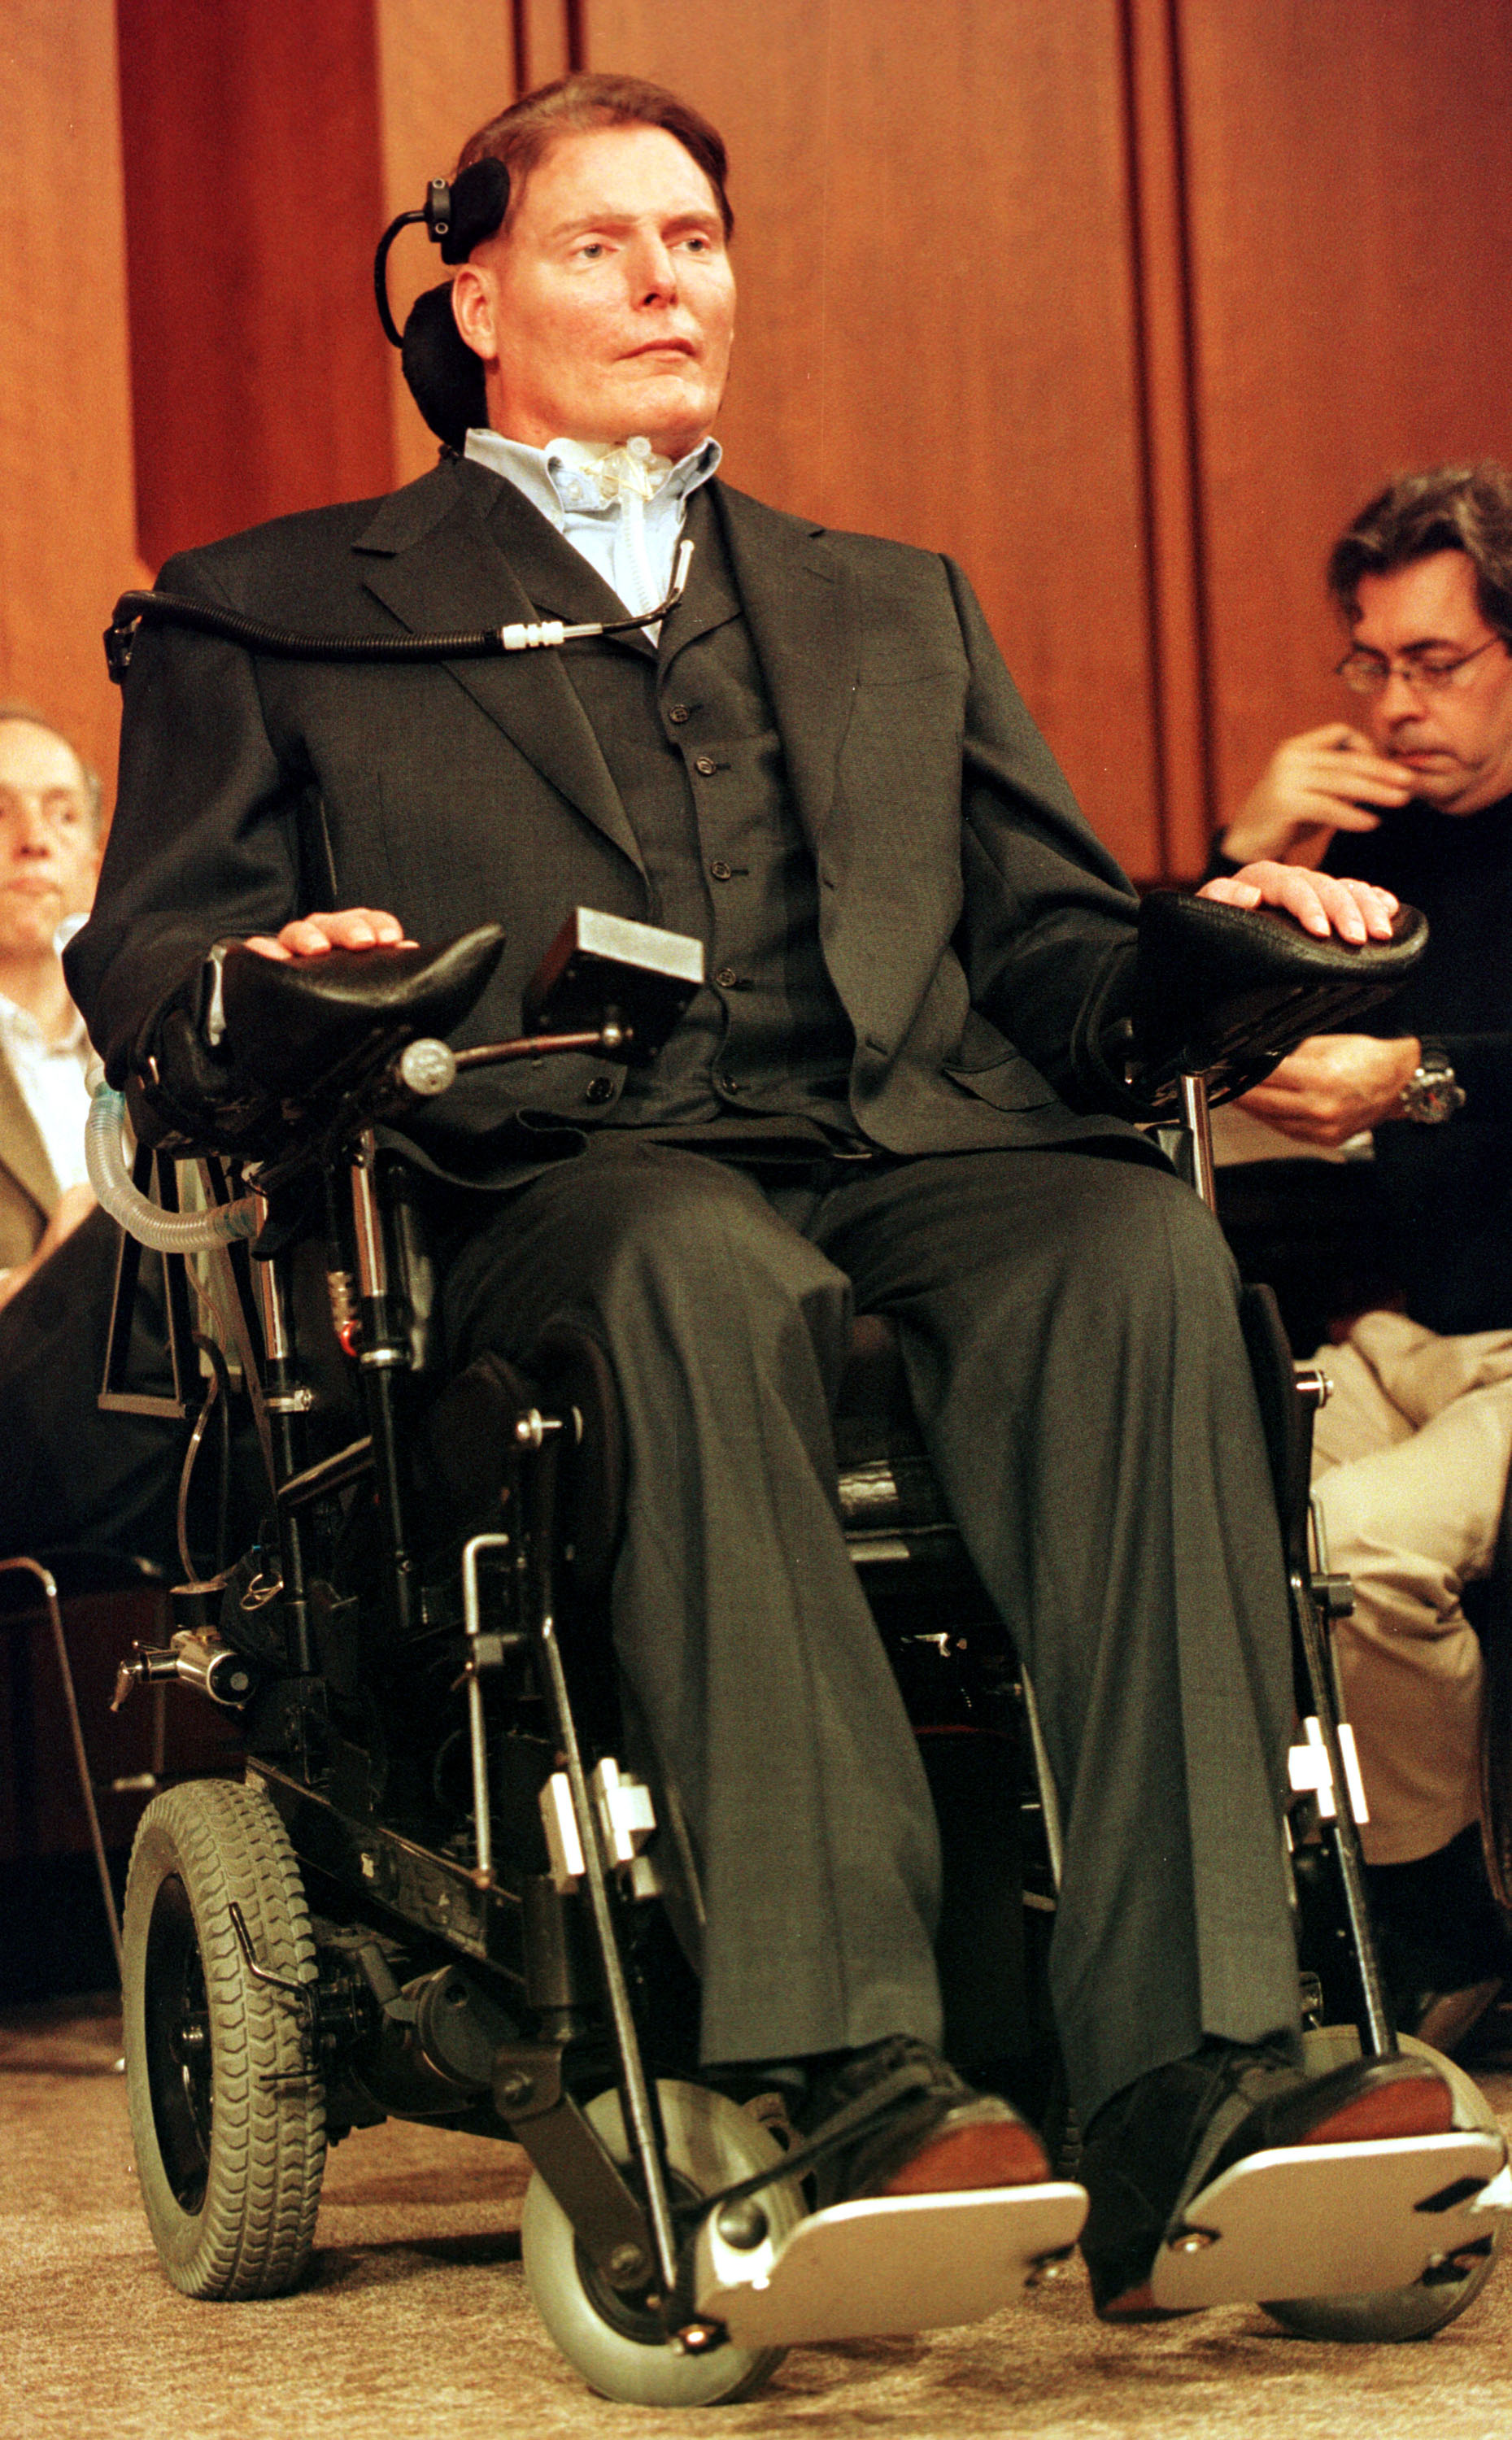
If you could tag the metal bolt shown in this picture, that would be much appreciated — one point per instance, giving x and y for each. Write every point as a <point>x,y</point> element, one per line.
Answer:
<point>1193,2240</point>
<point>743,2225</point>
<point>512,2089</point>
<point>625,2263</point>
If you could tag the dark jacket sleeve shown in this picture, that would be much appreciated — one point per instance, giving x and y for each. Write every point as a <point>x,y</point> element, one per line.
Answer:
<point>1048,913</point>
<point>206,837</point>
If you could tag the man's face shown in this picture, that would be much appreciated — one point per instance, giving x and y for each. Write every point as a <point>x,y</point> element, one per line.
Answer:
<point>1457,741</point>
<point>607,306</point>
<point>48,856</point>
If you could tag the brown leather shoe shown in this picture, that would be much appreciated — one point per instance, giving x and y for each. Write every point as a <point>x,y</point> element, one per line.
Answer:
<point>927,2131</point>
<point>1156,2145</point>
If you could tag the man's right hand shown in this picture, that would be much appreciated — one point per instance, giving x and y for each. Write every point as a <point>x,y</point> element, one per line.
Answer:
<point>313,935</point>
<point>1324,780</point>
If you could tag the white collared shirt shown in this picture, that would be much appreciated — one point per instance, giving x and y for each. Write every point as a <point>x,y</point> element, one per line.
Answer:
<point>632,543</point>
<point>51,1074</point>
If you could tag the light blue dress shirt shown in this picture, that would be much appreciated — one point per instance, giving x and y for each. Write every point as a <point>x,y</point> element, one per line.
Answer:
<point>631,541</point>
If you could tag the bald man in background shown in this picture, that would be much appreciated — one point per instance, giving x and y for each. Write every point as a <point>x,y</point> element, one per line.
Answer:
<point>67,1474</point>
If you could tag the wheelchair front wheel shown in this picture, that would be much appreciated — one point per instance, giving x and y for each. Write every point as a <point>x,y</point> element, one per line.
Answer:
<point>1428,2305</point>
<point>619,2346</point>
<point>227,2116</point>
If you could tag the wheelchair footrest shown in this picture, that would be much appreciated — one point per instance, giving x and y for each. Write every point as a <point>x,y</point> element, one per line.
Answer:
<point>878,2268</point>
<point>1329,2219</point>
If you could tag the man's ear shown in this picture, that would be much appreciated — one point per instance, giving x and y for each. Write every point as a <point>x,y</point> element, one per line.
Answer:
<point>475,310</point>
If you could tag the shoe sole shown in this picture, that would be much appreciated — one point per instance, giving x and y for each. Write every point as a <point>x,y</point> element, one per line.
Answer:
<point>961,2158</point>
<point>1421,2105</point>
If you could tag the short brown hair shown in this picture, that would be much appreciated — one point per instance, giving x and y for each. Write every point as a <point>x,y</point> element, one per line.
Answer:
<point>1447,507</point>
<point>523,134</point>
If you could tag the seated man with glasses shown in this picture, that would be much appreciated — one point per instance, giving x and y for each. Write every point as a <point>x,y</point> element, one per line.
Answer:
<point>1413,1454</point>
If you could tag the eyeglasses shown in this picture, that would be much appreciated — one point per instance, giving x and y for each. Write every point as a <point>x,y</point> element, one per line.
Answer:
<point>1427,673</point>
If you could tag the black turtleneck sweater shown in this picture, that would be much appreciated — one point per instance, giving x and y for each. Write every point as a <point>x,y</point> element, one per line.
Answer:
<point>1447,1191</point>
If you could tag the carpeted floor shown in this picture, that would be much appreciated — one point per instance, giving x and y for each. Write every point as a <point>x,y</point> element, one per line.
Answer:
<point>416,2322</point>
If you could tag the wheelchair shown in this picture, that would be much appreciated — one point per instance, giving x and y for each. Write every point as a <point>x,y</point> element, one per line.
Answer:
<point>437,1895</point>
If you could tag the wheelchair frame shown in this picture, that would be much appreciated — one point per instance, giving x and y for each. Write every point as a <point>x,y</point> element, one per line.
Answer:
<point>525,1994</point>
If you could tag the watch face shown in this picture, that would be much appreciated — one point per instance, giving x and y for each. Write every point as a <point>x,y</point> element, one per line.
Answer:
<point>1432,1095</point>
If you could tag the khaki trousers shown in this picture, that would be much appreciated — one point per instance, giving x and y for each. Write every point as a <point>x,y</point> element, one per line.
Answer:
<point>1410,1465</point>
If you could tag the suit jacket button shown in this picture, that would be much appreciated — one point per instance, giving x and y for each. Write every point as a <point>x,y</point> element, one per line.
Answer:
<point>706,766</point>
<point>727,979</point>
<point>678,713</point>
<point>720,869</point>
<point>598,1088</point>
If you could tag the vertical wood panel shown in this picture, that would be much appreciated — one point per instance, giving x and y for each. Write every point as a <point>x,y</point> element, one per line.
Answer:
<point>253,197</point>
<point>937,334</point>
<point>440,73</point>
<point>1350,182</point>
<point>1176,611</point>
<point>66,536</point>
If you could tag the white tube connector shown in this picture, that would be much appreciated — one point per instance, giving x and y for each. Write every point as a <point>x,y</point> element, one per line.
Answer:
<point>162,1232</point>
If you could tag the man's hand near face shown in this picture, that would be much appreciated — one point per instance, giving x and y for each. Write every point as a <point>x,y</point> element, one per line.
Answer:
<point>1324,780</point>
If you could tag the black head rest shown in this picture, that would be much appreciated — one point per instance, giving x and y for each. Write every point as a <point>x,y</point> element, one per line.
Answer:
<point>445,378</point>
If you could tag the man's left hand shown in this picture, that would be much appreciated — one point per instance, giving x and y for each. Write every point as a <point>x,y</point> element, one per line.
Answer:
<point>1322,903</point>
<point>1334,1085</point>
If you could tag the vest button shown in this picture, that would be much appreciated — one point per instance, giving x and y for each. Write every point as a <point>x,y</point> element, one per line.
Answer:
<point>678,713</point>
<point>598,1088</point>
<point>720,869</point>
<point>705,764</point>
<point>727,979</point>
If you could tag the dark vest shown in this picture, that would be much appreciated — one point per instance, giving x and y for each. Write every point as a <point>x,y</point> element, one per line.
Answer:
<point>688,733</point>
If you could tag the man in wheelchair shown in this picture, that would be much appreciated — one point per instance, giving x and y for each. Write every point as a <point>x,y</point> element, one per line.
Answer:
<point>891,1097</point>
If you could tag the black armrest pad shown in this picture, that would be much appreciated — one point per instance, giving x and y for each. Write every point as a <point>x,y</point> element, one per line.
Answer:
<point>215,1063</point>
<point>1226,992</point>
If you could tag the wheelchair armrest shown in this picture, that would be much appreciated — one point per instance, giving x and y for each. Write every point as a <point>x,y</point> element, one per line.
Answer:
<point>1227,991</point>
<point>216,1068</point>
<point>286,1025</point>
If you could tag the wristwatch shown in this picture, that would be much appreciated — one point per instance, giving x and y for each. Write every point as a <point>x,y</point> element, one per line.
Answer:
<point>1432,1093</point>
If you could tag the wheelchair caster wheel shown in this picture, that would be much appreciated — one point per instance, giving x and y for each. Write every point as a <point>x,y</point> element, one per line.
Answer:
<point>228,2122</point>
<point>614,2342</point>
<point>1430,2302</point>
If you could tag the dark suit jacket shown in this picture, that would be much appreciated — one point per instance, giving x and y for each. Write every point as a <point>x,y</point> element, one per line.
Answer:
<point>966,909</point>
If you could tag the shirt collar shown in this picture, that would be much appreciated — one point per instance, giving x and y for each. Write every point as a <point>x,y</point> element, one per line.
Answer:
<point>549,477</point>
<point>18,1021</point>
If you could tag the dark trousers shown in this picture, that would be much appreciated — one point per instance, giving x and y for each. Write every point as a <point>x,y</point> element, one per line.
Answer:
<point>1068,1329</point>
<point>69,1474</point>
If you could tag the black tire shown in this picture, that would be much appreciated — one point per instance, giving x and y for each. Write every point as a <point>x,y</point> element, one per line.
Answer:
<point>1398,2314</point>
<point>622,2352</point>
<point>227,2119</point>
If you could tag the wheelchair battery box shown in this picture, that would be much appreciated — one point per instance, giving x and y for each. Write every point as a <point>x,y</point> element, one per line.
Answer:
<point>605,966</point>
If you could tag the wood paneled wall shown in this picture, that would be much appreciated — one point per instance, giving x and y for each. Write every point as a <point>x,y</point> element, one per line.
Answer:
<point>69,523</point>
<point>1349,182</point>
<point>1126,303</point>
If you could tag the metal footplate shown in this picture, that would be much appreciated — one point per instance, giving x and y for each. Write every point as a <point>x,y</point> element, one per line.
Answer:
<point>1333,2219</point>
<point>880,2268</point>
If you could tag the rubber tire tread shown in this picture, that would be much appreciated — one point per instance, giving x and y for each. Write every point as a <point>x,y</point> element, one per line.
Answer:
<point>253,2232</point>
<point>1400,2315</point>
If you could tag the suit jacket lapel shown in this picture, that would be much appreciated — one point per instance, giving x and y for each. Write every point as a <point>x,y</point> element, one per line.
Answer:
<point>22,1150</point>
<point>456,570</point>
<point>805,624</point>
